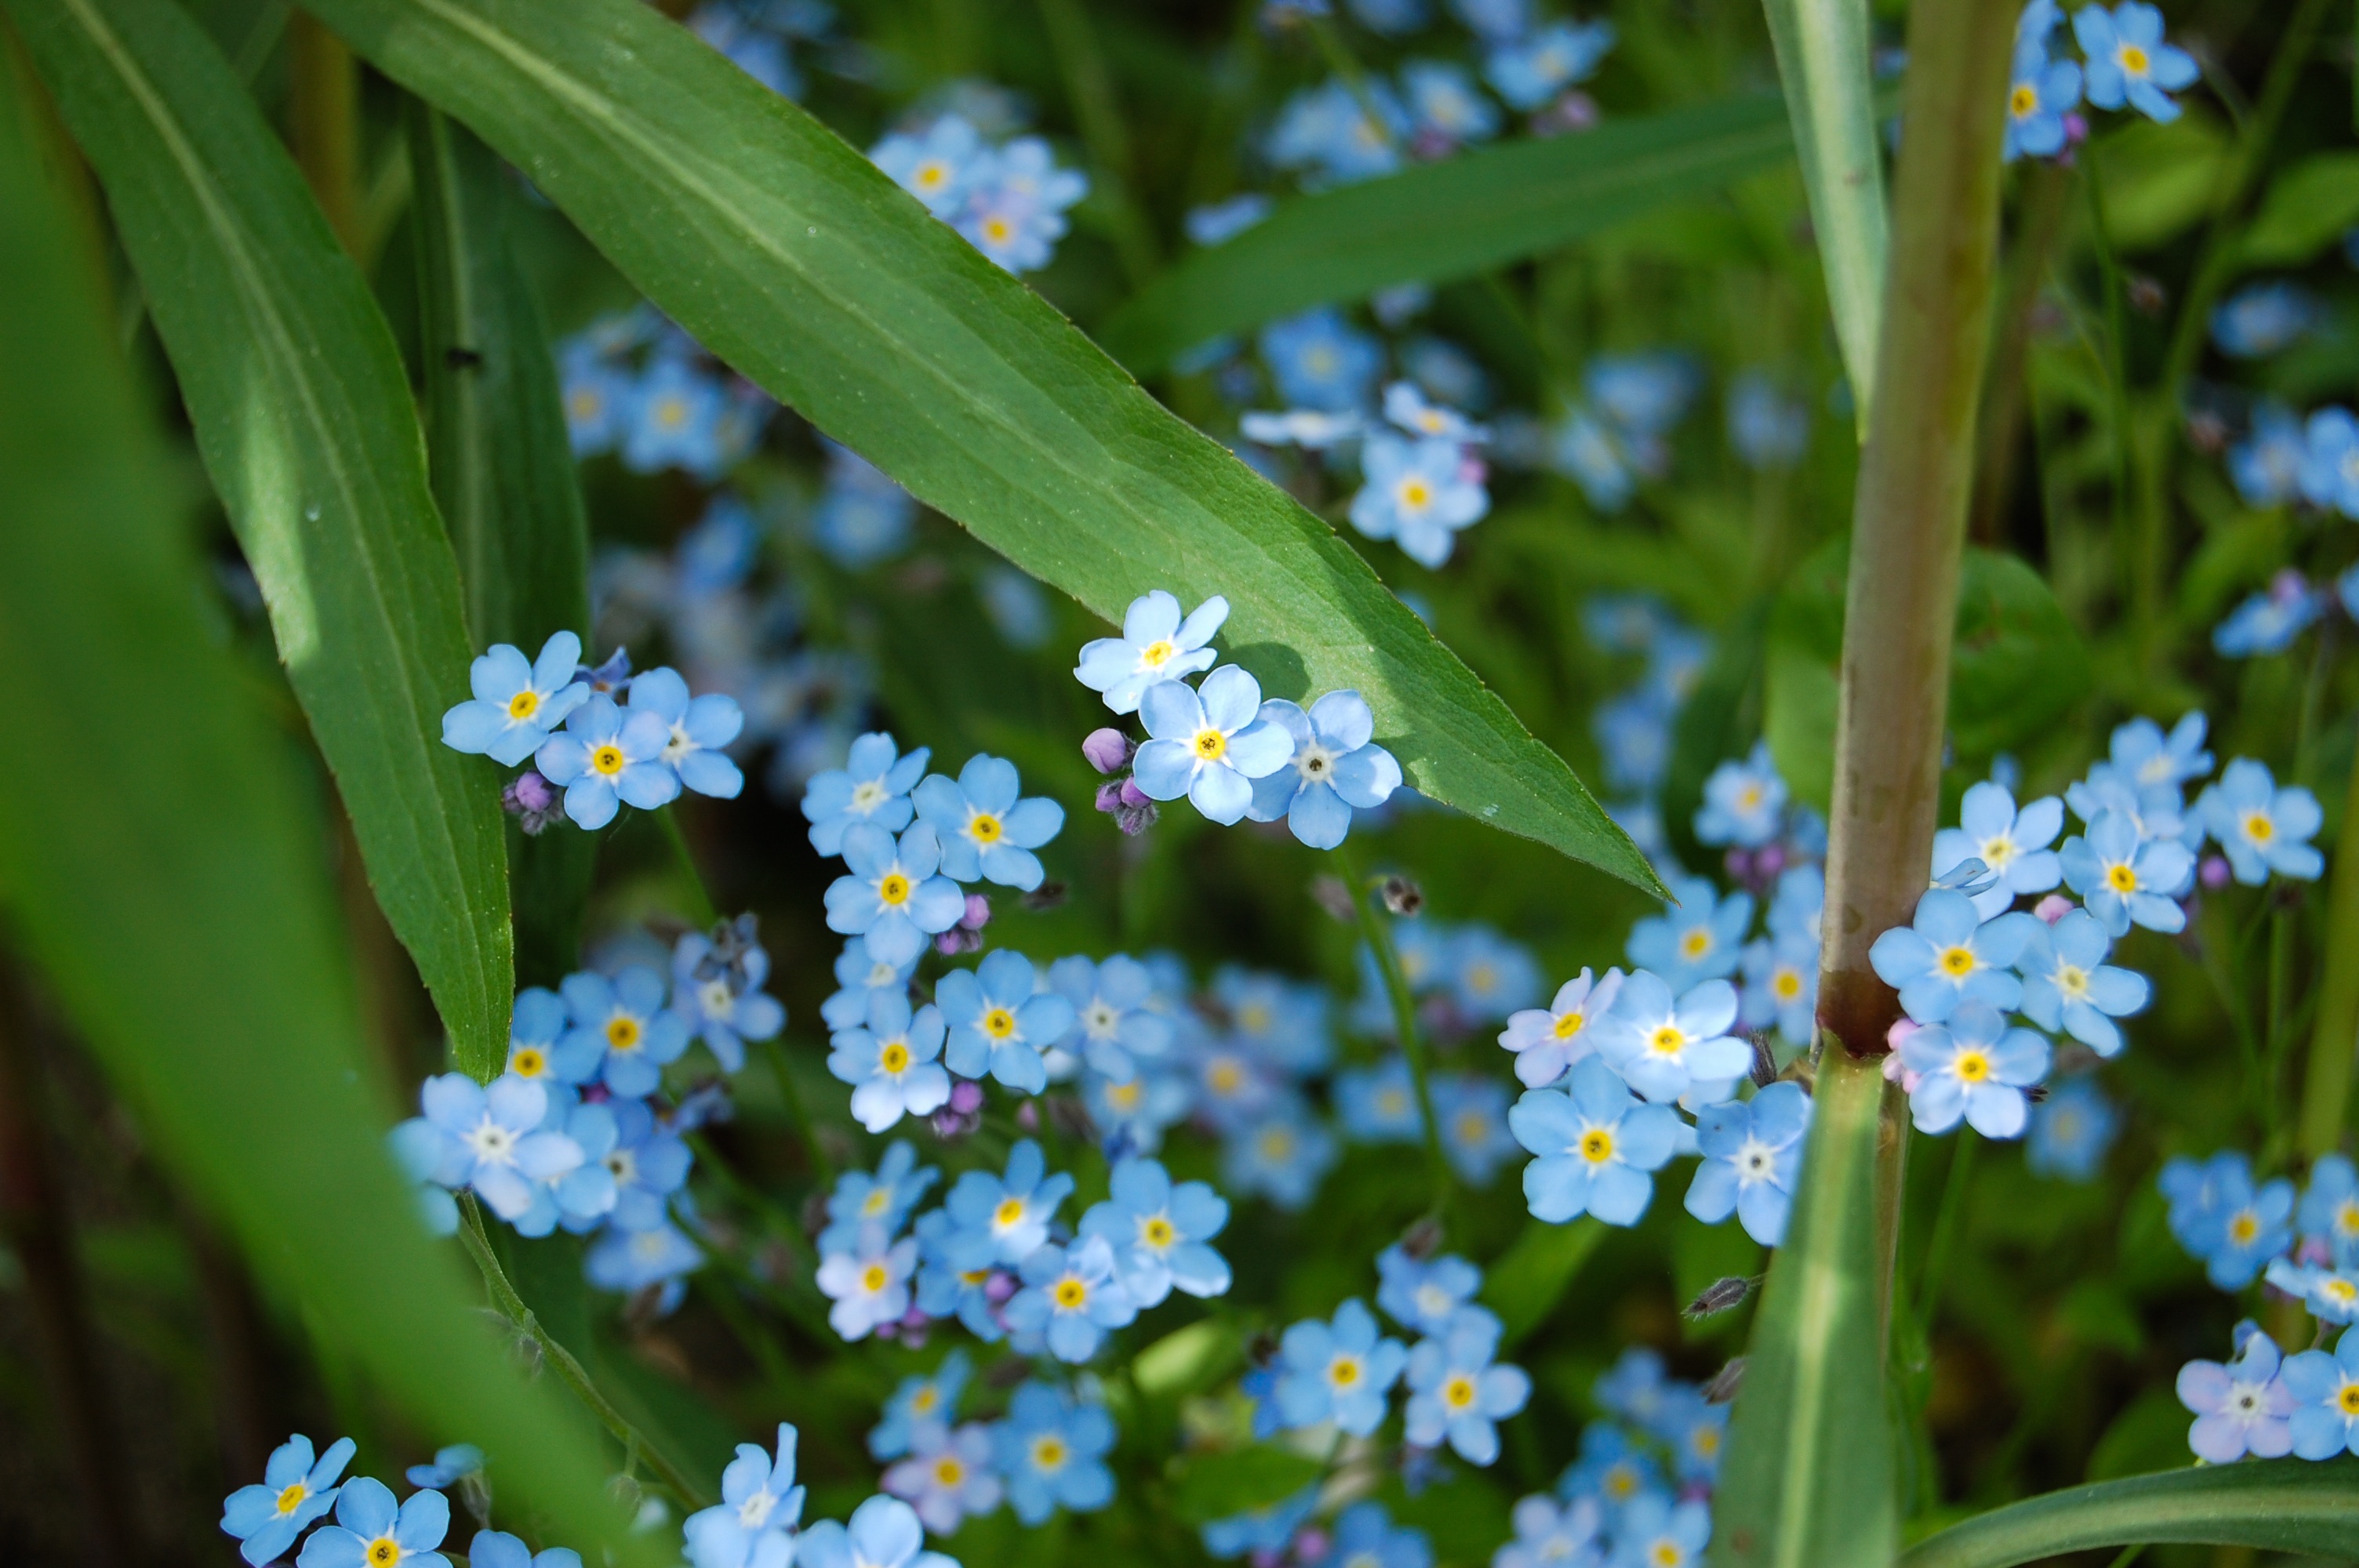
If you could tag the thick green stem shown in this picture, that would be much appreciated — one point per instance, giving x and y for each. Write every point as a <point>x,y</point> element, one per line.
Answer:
<point>1380,943</point>
<point>512,1307</point>
<point>2334,1037</point>
<point>1810,1477</point>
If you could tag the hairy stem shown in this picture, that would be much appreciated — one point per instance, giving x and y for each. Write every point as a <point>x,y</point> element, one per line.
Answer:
<point>512,1307</point>
<point>1380,942</point>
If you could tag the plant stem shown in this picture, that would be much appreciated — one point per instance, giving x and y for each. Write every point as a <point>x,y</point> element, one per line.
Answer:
<point>706,915</point>
<point>823,1168</point>
<point>2334,1037</point>
<point>324,119</point>
<point>1380,942</point>
<point>512,1307</point>
<point>2146,570</point>
<point>1945,1228</point>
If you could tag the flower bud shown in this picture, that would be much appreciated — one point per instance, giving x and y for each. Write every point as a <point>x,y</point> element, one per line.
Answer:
<point>966,1097</point>
<point>2214,872</point>
<point>2053,908</point>
<point>1133,796</point>
<point>1108,749</point>
<point>1108,797</point>
<point>978,913</point>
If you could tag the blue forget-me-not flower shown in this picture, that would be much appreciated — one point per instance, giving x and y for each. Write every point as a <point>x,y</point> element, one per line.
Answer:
<point>1597,1146</point>
<point>517,704</point>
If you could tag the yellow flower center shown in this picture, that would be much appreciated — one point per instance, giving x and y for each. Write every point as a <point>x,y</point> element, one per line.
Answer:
<point>1458,1393</point>
<point>1158,654</point>
<point>1472,1127</point>
<point>2258,827</point>
<point>985,829</point>
<point>2022,101</point>
<point>1211,745</point>
<point>1343,1372</point>
<point>2244,1228</point>
<point>2132,60</point>
<point>1666,1555</point>
<point>1749,798</point>
<point>872,1278</point>
<point>529,1063</point>
<point>893,1058</point>
<point>383,1551</point>
<point>1047,1452</point>
<point>1416,495</point>
<point>670,413</point>
<point>1597,1145</point>
<point>1958,962</point>
<point>999,1023</point>
<point>1997,853</point>
<point>2072,981</point>
<point>1568,1024</point>
<point>1071,1293</point>
<point>1621,1482</point>
<point>867,796</point>
<point>1157,1231</point>
<point>292,1498</point>
<point>1667,1039</point>
<point>2338,1290</point>
<point>1277,1144</point>
<point>624,1033</point>
<point>1695,944</point>
<point>1226,1077</point>
<point>948,1472</point>
<point>1786,984</point>
<point>923,1399</point>
<point>2346,1217</point>
<point>893,889</point>
<point>1009,1212</point>
<point>1254,1018</point>
<point>879,1200</point>
<point>1481,978</point>
<point>586,403</point>
<point>1972,1067</point>
<point>1705,1441</point>
<point>932,175</point>
<point>607,759</point>
<point>2122,877</point>
<point>1124,1096</point>
<point>998,230</point>
<point>523,704</point>
<point>2347,1398</point>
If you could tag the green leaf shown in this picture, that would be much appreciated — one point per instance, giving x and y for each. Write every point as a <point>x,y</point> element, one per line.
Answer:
<point>1822,57</point>
<point>2159,179</point>
<point>1532,1276</point>
<point>1437,221</point>
<point>503,471</point>
<point>304,419</point>
<point>1810,1455</point>
<point>2306,209</point>
<point>1217,1486</point>
<point>790,257</point>
<point>2276,1505</point>
<point>166,873</point>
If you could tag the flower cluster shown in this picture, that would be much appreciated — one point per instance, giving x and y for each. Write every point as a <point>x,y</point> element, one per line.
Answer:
<point>2267,1404</point>
<point>1970,958</point>
<point>1047,1452</point>
<point>758,35</point>
<point>996,1256</point>
<point>1640,1494</point>
<point>636,386</point>
<point>1008,201</point>
<point>1341,130</point>
<point>1616,436</point>
<point>2125,63</point>
<point>600,754</point>
<point>1218,743</point>
<point>572,1135</point>
<point>1337,1373</point>
<point>758,1523</point>
<point>299,1487</point>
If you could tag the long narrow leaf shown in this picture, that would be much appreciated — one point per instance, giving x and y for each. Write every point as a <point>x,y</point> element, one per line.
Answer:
<point>789,255</point>
<point>304,418</point>
<point>503,471</point>
<point>165,868</point>
<point>1822,56</point>
<point>2284,1505</point>
<point>1808,1474</point>
<point>1443,221</point>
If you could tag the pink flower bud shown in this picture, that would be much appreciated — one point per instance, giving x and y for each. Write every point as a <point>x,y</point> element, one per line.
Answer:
<point>1133,796</point>
<point>1108,749</point>
<point>1028,1116</point>
<point>1109,798</point>
<point>1310,1545</point>
<point>2214,872</point>
<point>966,1097</point>
<point>2053,908</point>
<point>999,1287</point>
<point>978,913</point>
<point>1902,1028</point>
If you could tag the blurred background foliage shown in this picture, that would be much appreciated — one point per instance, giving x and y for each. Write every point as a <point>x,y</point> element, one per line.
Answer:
<point>2108,543</point>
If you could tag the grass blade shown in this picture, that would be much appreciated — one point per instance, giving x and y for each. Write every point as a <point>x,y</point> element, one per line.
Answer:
<point>2279,1505</point>
<point>789,256</point>
<point>304,418</point>
<point>502,473</point>
<point>1443,221</point>
<point>166,874</point>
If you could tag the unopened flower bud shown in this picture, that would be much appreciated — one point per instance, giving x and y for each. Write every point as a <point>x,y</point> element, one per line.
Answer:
<point>1028,1116</point>
<point>1109,798</point>
<point>999,1287</point>
<point>1135,798</point>
<point>966,1097</point>
<point>1310,1544</point>
<point>1403,896</point>
<point>1108,749</point>
<point>2053,908</point>
<point>1134,820</point>
<point>2214,872</point>
<point>978,913</point>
